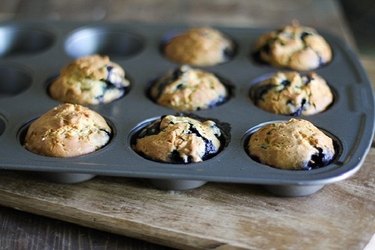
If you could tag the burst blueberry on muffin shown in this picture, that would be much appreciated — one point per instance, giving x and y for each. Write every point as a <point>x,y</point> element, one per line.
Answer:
<point>90,80</point>
<point>179,139</point>
<point>295,47</point>
<point>199,47</point>
<point>187,89</point>
<point>67,130</point>
<point>291,93</point>
<point>293,145</point>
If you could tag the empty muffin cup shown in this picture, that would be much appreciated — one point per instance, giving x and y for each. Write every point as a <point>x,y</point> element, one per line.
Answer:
<point>114,43</point>
<point>13,40</point>
<point>13,80</point>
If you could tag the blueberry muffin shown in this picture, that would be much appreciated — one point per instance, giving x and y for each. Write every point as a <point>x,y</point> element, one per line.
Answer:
<point>67,130</point>
<point>293,145</point>
<point>179,139</point>
<point>294,46</point>
<point>187,89</point>
<point>199,47</point>
<point>290,93</point>
<point>90,80</point>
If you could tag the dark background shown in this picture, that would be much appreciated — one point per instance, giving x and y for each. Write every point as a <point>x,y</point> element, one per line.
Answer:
<point>360,15</point>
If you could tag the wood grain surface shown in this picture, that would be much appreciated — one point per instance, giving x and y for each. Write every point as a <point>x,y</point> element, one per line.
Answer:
<point>215,216</point>
<point>21,230</point>
<point>341,216</point>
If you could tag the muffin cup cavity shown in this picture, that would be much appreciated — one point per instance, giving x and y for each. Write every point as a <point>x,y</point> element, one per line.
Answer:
<point>113,43</point>
<point>13,81</point>
<point>337,145</point>
<point>23,40</point>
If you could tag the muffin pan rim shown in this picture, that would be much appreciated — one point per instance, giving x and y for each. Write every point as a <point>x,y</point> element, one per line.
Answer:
<point>25,28</point>
<point>62,29</point>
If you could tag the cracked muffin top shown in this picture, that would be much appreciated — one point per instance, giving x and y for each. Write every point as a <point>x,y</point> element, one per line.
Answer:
<point>187,89</point>
<point>290,93</point>
<point>199,47</point>
<point>295,47</point>
<point>67,130</point>
<point>179,139</point>
<point>293,145</point>
<point>90,80</point>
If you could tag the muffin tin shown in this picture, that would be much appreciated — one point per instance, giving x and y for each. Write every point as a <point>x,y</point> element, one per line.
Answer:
<point>32,53</point>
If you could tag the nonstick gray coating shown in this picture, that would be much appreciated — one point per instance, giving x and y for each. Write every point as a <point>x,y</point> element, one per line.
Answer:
<point>34,52</point>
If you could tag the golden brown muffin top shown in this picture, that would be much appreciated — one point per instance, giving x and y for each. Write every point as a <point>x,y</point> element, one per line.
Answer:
<point>90,80</point>
<point>178,139</point>
<point>187,89</point>
<point>67,130</point>
<point>200,47</point>
<point>295,144</point>
<point>294,46</point>
<point>291,93</point>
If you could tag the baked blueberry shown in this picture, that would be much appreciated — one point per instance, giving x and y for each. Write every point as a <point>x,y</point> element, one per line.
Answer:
<point>292,93</point>
<point>293,145</point>
<point>188,89</point>
<point>295,47</point>
<point>179,139</point>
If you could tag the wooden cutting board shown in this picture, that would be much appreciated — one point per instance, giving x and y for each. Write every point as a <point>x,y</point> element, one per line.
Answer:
<point>218,216</point>
<point>222,216</point>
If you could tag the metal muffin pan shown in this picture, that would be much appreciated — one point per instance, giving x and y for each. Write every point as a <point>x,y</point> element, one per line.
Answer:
<point>32,53</point>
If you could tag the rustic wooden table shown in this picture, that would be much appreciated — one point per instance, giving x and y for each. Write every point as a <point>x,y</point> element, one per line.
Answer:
<point>222,216</point>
